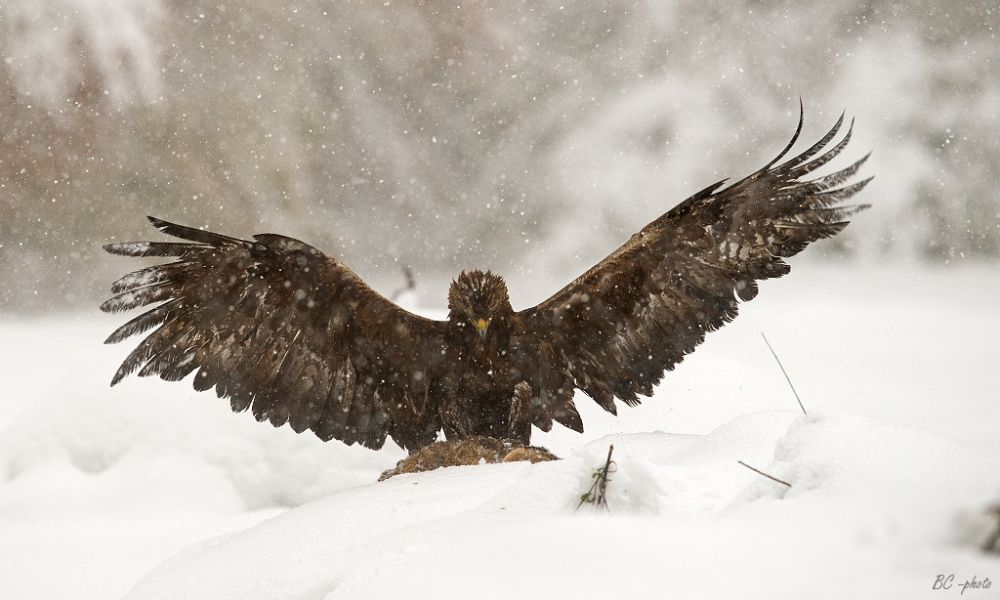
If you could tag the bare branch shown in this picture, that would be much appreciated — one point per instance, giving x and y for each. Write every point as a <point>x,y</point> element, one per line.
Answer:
<point>784,372</point>
<point>771,477</point>
<point>597,494</point>
<point>410,283</point>
<point>992,544</point>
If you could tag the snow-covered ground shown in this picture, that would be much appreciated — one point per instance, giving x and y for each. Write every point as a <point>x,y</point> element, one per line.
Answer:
<point>150,490</point>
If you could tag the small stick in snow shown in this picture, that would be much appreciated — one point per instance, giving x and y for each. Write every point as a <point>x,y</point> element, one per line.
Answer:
<point>771,477</point>
<point>410,283</point>
<point>598,492</point>
<point>784,372</point>
<point>993,542</point>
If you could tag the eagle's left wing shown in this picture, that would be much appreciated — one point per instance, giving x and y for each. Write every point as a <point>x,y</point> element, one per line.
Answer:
<point>615,330</point>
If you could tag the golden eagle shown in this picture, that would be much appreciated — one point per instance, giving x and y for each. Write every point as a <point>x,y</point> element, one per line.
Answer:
<point>282,329</point>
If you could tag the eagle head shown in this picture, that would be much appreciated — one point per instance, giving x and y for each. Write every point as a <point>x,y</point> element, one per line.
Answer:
<point>477,299</point>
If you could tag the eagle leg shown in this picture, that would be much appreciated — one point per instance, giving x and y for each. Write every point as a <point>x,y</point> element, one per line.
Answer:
<point>455,424</point>
<point>519,417</point>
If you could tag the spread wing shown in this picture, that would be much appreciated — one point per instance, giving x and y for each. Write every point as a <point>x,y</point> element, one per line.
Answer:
<point>615,330</point>
<point>278,327</point>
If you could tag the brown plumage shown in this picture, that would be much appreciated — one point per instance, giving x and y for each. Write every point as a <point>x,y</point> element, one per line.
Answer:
<point>296,337</point>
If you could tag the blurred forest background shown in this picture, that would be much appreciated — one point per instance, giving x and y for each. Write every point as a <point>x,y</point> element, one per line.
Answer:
<point>527,137</point>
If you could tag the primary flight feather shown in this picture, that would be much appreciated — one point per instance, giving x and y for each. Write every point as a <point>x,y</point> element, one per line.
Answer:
<point>296,337</point>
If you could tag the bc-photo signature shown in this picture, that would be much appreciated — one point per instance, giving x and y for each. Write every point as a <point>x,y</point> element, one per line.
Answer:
<point>948,582</point>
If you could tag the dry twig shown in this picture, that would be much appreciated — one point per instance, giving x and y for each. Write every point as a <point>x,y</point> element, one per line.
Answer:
<point>597,494</point>
<point>771,477</point>
<point>993,542</point>
<point>409,283</point>
<point>784,372</point>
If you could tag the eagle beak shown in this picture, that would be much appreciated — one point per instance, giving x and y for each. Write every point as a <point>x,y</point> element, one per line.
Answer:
<point>481,326</point>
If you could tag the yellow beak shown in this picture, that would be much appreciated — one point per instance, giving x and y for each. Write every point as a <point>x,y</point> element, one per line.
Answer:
<point>481,326</point>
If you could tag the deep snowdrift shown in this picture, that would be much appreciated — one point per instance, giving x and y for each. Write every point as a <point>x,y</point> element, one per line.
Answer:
<point>871,513</point>
<point>99,487</point>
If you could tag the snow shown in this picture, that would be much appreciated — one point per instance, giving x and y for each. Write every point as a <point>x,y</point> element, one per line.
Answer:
<point>152,491</point>
<point>684,513</point>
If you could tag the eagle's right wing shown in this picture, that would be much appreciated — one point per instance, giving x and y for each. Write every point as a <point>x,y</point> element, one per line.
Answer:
<point>617,328</point>
<point>278,327</point>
